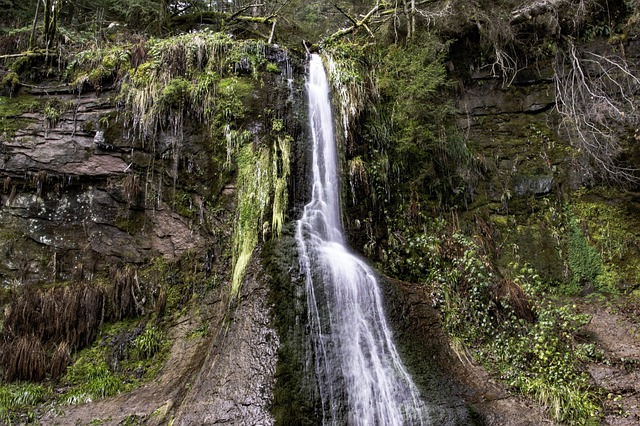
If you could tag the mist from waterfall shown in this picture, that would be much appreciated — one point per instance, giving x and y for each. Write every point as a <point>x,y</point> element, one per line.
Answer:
<point>360,377</point>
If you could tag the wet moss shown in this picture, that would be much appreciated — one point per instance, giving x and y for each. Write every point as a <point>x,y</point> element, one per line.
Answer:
<point>295,398</point>
<point>131,221</point>
<point>609,227</point>
<point>12,108</point>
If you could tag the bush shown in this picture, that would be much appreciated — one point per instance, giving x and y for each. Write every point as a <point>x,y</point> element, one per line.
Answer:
<point>526,341</point>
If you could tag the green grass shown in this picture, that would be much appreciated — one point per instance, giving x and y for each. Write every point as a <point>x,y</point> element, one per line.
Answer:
<point>119,361</point>
<point>18,400</point>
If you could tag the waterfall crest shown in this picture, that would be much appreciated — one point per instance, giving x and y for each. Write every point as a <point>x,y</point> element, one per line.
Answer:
<point>361,379</point>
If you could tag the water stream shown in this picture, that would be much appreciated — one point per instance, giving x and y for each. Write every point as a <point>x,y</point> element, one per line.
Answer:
<point>361,379</point>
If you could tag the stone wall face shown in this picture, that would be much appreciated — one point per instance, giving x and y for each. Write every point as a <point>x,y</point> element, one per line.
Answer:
<point>528,165</point>
<point>82,192</point>
<point>75,201</point>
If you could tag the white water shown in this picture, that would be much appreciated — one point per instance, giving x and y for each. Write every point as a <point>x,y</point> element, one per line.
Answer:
<point>360,377</point>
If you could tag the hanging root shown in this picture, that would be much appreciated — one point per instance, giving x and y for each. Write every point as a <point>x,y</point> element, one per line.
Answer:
<point>595,96</point>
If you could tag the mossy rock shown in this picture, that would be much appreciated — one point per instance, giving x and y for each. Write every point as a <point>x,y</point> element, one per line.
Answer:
<point>12,108</point>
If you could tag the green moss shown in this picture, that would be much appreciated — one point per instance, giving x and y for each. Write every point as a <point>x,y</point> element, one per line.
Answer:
<point>10,82</point>
<point>175,93</point>
<point>28,65</point>
<point>183,204</point>
<point>254,185</point>
<point>610,230</point>
<point>130,221</point>
<point>141,76</point>
<point>96,66</point>
<point>241,87</point>
<point>262,191</point>
<point>281,171</point>
<point>12,108</point>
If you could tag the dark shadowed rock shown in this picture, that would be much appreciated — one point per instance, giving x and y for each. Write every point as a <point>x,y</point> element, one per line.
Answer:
<point>235,385</point>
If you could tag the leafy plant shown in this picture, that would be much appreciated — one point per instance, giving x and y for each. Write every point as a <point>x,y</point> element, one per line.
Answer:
<point>527,341</point>
<point>583,259</point>
<point>149,342</point>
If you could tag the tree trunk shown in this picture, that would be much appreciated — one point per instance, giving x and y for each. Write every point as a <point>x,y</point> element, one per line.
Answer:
<point>32,37</point>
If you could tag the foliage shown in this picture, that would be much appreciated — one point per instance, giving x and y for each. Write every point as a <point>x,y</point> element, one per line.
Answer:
<point>201,75</point>
<point>53,110</point>
<point>20,398</point>
<point>91,380</point>
<point>543,363</point>
<point>149,342</point>
<point>412,80</point>
<point>609,229</point>
<point>398,131</point>
<point>499,317</point>
<point>583,259</point>
<point>42,327</point>
<point>98,65</point>
<point>125,354</point>
<point>262,183</point>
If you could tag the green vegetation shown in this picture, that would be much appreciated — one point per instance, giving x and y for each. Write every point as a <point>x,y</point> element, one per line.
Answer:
<point>610,229</point>
<point>412,80</point>
<point>583,259</point>
<point>53,110</point>
<point>17,401</point>
<point>10,82</point>
<point>97,66</point>
<point>11,108</point>
<point>125,355</point>
<point>500,318</point>
<point>148,343</point>
<point>262,182</point>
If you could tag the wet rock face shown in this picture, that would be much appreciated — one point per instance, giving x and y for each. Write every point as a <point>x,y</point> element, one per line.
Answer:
<point>79,193</point>
<point>74,203</point>
<point>424,349</point>
<point>235,386</point>
<point>83,230</point>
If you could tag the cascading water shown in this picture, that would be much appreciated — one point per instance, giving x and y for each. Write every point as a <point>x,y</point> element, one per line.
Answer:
<point>360,377</point>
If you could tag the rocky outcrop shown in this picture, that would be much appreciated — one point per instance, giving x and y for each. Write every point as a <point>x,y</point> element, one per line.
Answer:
<point>235,385</point>
<point>74,204</point>
<point>84,196</point>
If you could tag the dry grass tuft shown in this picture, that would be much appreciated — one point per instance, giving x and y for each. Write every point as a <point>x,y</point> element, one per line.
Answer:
<point>24,358</point>
<point>515,297</point>
<point>54,321</point>
<point>60,360</point>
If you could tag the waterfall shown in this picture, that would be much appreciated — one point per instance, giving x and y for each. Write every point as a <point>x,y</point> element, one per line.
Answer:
<point>361,379</point>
